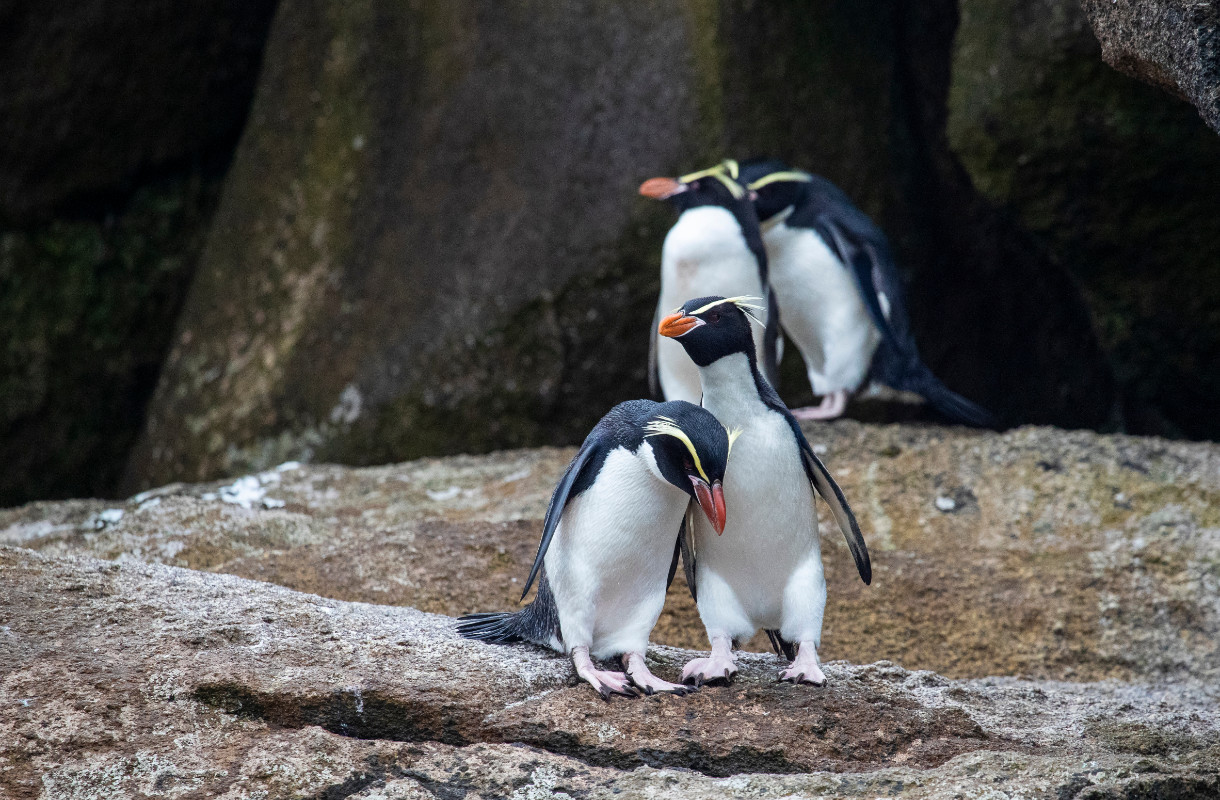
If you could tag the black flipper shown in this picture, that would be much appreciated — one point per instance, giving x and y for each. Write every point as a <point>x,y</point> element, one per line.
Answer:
<point>559,501</point>
<point>920,380</point>
<point>819,477</point>
<point>781,646</point>
<point>537,623</point>
<point>686,541</point>
<point>771,340</point>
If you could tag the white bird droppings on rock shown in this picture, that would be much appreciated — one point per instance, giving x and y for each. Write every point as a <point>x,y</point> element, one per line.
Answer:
<point>946,503</point>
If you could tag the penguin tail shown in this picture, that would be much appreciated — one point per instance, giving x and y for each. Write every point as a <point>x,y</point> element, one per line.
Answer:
<point>500,627</point>
<point>781,645</point>
<point>949,403</point>
<point>537,623</point>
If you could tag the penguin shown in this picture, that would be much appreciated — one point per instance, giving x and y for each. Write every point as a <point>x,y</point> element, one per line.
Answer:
<point>765,571</point>
<point>714,247</point>
<point>609,536</point>
<point>839,293</point>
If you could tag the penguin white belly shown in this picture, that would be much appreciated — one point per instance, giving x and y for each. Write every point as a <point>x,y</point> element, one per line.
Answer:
<point>820,309</point>
<point>705,253</point>
<point>610,556</point>
<point>765,570</point>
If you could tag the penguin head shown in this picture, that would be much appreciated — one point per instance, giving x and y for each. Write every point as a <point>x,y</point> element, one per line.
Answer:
<point>710,328</point>
<point>773,184</point>
<point>691,450</point>
<point>716,186</point>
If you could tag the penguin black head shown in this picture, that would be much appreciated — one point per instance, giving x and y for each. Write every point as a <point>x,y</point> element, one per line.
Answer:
<point>691,449</point>
<point>716,186</point>
<point>710,328</point>
<point>773,184</point>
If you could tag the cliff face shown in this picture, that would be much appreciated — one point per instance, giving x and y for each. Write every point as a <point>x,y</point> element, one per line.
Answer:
<point>248,638</point>
<point>429,240</point>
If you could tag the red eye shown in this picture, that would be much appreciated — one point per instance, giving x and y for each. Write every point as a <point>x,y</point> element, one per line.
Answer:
<point>714,316</point>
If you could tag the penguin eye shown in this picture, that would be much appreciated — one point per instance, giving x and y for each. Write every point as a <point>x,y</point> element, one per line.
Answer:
<point>688,465</point>
<point>713,317</point>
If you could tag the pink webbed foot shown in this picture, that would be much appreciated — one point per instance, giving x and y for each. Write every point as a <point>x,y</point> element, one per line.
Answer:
<point>606,682</point>
<point>832,406</point>
<point>804,668</point>
<point>720,665</point>
<point>643,679</point>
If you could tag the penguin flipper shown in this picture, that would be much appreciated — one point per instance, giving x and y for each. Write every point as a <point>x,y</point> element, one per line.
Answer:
<point>686,548</point>
<point>825,485</point>
<point>559,501</point>
<point>862,259</point>
<point>772,348</point>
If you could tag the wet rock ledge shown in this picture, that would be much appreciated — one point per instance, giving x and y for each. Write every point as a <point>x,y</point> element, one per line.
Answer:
<point>1043,623</point>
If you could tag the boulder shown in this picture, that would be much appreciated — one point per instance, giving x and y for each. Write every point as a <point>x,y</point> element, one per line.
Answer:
<point>430,240</point>
<point>129,680</point>
<point>1038,553</point>
<point>1120,182</point>
<point>1172,44</point>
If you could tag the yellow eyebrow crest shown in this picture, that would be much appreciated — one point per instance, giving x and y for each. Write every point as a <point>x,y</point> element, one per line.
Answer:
<point>664,426</point>
<point>726,172</point>
<point>776,177</point>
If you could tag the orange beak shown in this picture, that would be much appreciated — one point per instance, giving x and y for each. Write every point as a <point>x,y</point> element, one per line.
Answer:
<point>711,500</point>
<point>661,188</point>
<point>676,324</point>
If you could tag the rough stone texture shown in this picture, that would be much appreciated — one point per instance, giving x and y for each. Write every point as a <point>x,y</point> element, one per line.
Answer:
<point>428,241</point>
<point>131,680</point>
<point>1064,555</point>
<point>95,94</point>
<point>1119,181</point>
<point>1173,44</point>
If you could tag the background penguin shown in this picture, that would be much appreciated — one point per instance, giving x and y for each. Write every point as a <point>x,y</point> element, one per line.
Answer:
<point>714,248</point>
<point>840,296</point>
<point>609,537</point>
<point>766,570</point>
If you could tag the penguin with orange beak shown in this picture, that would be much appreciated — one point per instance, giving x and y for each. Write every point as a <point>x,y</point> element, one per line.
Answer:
<point>715,247</point>
<point>765,571</point>
<point>609,537</point>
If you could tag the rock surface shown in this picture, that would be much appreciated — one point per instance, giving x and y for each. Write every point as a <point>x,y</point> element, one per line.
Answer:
<point>1085,568</point>
<point>1039,553</point>
<point>129,680</point>
<point>1173,44</point>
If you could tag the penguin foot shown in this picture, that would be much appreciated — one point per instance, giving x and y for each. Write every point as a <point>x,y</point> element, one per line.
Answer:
<point>833,405</point>
<point>650,684</point>
<point>606,682</point>
<point>719,666</point>
<point>804,668</point>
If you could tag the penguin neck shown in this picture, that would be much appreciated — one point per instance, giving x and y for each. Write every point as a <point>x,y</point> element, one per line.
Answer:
<point>731,389</point>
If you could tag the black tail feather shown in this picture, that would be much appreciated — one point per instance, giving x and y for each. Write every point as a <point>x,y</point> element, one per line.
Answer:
<point>780,645</point>
<point>537,623</point>
<point>949,403</point>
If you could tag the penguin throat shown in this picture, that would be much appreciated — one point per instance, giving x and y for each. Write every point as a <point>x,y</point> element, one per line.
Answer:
<point>730,388</point>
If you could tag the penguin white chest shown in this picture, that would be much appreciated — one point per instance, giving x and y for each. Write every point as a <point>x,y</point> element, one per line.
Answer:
<point>705,253</point>
<point>770,541</point>
<point>821,309</point>
<point>611,553</point>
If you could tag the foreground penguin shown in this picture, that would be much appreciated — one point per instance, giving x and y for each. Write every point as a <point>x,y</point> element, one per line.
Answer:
<point>612,531</point>
<point>766,570</point>
<point>839,294</point>
<point>714,248</point>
